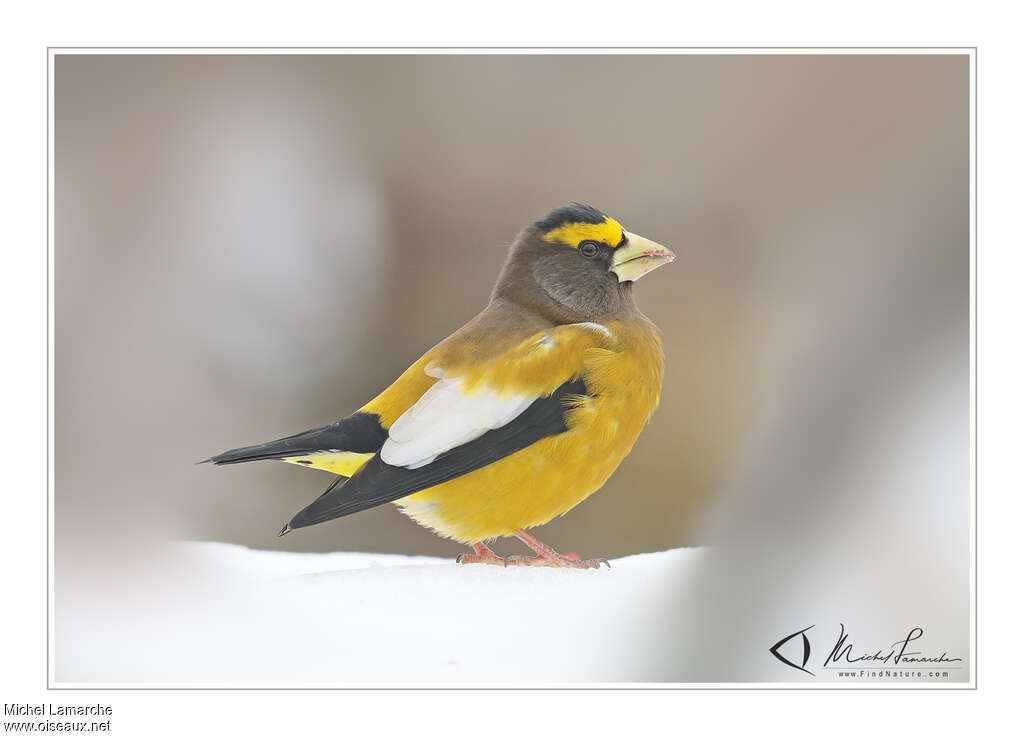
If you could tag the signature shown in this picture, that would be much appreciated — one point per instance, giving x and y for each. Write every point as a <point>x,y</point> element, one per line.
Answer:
<point>898,652</point>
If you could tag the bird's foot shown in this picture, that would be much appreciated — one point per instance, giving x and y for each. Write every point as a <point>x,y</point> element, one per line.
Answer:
<point>482,554</point>
<point>555,561</point>
<point>548,556</point>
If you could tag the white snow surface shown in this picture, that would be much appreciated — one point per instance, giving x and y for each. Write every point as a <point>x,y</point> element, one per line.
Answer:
<point>228,614</point>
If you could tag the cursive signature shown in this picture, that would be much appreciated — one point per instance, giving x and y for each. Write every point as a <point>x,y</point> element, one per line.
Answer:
<point>898,652</point>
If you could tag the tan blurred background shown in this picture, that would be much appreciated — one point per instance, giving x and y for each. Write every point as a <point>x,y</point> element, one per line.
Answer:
<point>249,246</point>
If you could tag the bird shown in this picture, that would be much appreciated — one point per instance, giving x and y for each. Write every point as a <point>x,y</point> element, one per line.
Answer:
<point>517,416</point>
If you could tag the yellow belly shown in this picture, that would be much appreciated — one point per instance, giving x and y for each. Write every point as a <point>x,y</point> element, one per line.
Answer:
<point>523,490</point>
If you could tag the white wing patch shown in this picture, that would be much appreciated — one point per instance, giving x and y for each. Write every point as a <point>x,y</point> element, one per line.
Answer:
<point>445,418</point>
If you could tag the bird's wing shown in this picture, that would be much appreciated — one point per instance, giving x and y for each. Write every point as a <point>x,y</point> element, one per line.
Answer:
<point>446,417</point>
<point>476,413</point>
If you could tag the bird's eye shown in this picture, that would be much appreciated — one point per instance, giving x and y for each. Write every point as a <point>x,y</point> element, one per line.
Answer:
<point>589,249</point>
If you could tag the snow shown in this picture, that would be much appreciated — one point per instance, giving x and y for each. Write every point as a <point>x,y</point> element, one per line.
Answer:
<point>227,614</point>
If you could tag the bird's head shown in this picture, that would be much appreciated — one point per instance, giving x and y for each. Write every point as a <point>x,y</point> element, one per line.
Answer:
<point>577,263</point>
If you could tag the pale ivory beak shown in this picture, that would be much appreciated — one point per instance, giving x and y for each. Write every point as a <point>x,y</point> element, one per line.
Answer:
<point>639,256</point>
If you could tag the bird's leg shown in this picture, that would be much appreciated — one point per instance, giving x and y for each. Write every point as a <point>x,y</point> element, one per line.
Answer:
<point>483,554</point>
<point>548,556</point>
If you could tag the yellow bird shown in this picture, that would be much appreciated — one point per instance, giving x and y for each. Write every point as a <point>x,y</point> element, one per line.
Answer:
<point>516,417</point>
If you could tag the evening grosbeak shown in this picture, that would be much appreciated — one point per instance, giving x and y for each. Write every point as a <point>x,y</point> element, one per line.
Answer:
<point>517,416</point>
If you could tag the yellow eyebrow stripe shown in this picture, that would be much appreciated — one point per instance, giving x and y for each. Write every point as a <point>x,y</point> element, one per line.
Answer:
<point>609,232</point>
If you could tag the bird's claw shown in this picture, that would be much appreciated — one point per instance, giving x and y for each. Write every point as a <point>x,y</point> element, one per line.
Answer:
<point>599,561</point>
<point>467,558</point>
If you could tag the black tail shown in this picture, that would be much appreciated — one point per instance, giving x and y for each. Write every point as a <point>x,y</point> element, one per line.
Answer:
<point>357,433</point>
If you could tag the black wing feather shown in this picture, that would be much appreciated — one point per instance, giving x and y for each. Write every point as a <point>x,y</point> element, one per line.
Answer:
<point>377,483</point>
<point>358,433</point>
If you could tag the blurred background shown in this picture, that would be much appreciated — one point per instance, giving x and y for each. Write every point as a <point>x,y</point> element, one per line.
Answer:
<point>249,246</point>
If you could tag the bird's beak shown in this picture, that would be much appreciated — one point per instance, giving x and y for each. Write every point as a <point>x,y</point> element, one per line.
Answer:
<point>638,256</point>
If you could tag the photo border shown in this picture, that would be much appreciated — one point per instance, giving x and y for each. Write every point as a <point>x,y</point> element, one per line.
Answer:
<point>53,51</point>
